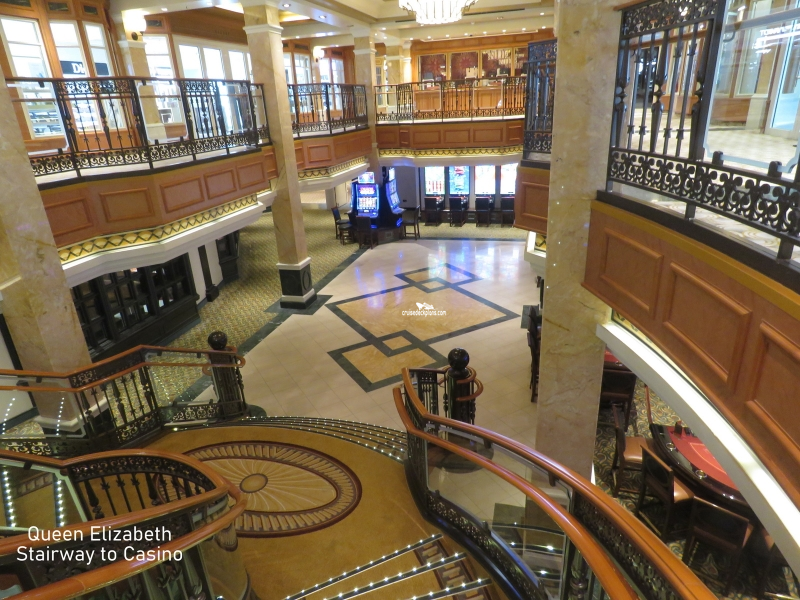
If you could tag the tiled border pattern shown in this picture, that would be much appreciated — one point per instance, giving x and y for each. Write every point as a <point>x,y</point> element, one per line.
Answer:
<point>415,343</point>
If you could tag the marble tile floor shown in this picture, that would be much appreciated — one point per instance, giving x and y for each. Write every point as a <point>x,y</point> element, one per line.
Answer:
<point>292,373</point>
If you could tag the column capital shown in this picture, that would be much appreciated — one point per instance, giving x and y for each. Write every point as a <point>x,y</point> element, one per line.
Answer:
<point>262,28</point>
<point>393,57</point>
<point>362,51</point>
<point>130,44</point>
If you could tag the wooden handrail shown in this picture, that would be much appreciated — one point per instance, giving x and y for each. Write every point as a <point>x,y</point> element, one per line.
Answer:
<point>230,350</point>
<point>10,545</point>
<point>78,585</point>
<point>679,576</point>
<point>610,577</point>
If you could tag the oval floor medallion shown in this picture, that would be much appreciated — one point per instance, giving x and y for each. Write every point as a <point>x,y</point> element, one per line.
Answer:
<point>289,489</point>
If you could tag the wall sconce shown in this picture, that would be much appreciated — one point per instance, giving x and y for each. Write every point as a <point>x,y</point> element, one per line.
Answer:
<point>134,21</point>
<point>318,52</point>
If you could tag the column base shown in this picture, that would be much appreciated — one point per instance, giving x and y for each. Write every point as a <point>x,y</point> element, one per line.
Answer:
<point>297,290</point>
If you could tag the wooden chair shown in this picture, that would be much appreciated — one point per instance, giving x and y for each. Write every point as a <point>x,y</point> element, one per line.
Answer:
<point>458,211</point>
<point>411,219</point>
<point>617,389</point>
<point>433,211</point>
<point>719,528</point>
<point>340,223</point>
<point>365,231</point>
<point>506,210</point>
<point>483,212</point>
<point>627,454</point>
<point>659,479</point>
<point>766,556</point>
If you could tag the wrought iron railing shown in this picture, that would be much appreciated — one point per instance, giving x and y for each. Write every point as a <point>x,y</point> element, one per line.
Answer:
<point>556,535</point>
<point>119,514</point>
<point>121,400</point>
<point>541,84</point>
<point>463,99</point>
<point>327,107</point>
<point>72,125</point>
<point>716,146</point>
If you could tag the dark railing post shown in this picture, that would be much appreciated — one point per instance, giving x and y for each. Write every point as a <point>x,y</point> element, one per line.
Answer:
<point>328,106</point>
<point>253,118</point>
<point>66,117</point>
<point>227,380</point>
<point>138,116</point>
<point>460,410</point>
<point>187,114</point>
<point>220,115</point>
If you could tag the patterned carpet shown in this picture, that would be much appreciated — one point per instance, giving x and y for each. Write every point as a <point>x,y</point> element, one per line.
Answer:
<point>709,563</point>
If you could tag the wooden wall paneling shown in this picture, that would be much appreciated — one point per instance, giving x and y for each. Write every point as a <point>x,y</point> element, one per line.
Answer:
<point>342,147</point>
<point>459,136</point>
<point>220,183</point>
<point>182,194</point>
<point>487,135</point>
<point>404,135</point>
<point>253,173</point>
<point>270,163</point>
<point>514,132</point>
<point>428,137</point>
<point>633,269</point>
<point>319,153</point>
<point>299,155</point>
<point>712,324</point>
<point>531,199</point>
<point>68,216</point>
<point>126,205</point>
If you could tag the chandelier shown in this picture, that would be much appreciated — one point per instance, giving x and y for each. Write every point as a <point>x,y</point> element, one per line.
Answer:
<point>436,12</point>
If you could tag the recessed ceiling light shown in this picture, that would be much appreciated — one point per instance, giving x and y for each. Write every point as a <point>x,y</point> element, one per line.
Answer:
<point>484,33</point>
<point>286,5</point>
<point>447,35</point>
<point>429,37</point>
<point>323,17</point>
<point>297,37</point>
<point>165,9</point>
<point>383,28</point>
<point>410,39</point>
<point>524,29</point>
<point>504,30</point>
<point>541,14</point>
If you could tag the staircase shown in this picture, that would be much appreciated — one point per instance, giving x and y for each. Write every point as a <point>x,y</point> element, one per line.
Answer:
<point>422,569</point>
<point>389,442</point>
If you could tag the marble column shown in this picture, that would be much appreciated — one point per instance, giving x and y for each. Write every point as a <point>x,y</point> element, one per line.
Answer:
<point>406,62</point>
<point>364,50</point>
<point>572,355</point>
<point>394,60</point>
<point>37,303</point>
<point>266,51</point>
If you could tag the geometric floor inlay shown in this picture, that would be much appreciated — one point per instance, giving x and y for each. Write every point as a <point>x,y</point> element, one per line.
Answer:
<point>400,323</point>
<point>289,489</point>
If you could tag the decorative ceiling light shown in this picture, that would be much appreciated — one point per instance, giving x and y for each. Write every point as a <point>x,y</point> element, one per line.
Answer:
<point>436,12</point>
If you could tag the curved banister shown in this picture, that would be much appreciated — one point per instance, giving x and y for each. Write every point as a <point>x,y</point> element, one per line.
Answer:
<point>680,577</point>
<point>89,581</point>
<point>605,570</point>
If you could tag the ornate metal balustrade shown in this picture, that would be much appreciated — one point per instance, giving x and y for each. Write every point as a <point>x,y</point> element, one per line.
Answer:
<point>124,399</point>
<point>327,107</point>
<point>671,135</point>
<point>541,86</point>
<point>442,452</point>
<point>72,125</point>
<point>464,99</point>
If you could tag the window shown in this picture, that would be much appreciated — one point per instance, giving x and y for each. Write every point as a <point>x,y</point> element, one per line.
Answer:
<point>239,70</point>
<point>213,63</point>
<point>156,48</point>
<point>325,70</point>
<point>432,67</point>
<point>287,68</point>
<point>485,180</point>
<point>337,70</point>
<point>458,178</point>
<point>191,64</point>
<point>98,49</point>
<point>24,45</point>
<point>508,179</point>
<point>434,181</point>
<point>302,68</point>
<point>464,65</point>
<point>69,49</point>
<point>496,63</point>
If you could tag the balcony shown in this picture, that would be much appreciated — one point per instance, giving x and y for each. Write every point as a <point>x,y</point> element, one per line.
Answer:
<point>327,108</point>
<point>78,127</point>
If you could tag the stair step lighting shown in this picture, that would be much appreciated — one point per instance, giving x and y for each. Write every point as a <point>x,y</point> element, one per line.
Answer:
<point>361,569</point>
<point>461,589</point>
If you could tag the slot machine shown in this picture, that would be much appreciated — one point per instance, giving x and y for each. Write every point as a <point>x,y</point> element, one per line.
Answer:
<point>365,197</point>
<point>391,213</point>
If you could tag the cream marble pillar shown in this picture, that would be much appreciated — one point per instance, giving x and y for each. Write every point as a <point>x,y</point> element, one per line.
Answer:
<point>406,62</point>
<point>394,60</point>
<point>134,58</point>
<point>37,303</point>
<point>266,52</point>
<point>572,356</point>
<point>364,50</point>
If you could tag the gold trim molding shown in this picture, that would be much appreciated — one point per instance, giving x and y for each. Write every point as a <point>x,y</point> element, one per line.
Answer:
<point>444,152</point>
<point>324,172</point>
<point>142,237</point>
